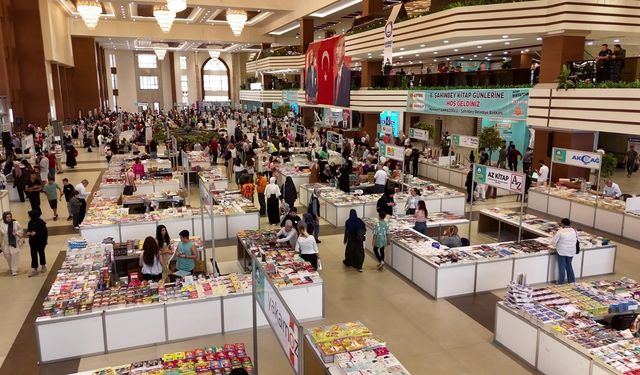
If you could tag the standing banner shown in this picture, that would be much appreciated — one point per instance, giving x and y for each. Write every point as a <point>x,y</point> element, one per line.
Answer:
<point>333,137</point>
<point>328,73</point>
<point>419,134</point>
<point>282,322</point>
<point>500,178</point>
<point>388,35</point>
<point>577,158</point>
<point>392,152</point>
<point>465,141</point>
<point>496,103</point>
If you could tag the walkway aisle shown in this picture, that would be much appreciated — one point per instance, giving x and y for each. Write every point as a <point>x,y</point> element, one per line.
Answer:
<point>19,293</point>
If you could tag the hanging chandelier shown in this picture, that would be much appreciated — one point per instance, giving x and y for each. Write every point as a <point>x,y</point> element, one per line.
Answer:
<point>164,17</point>
<point>236,19</point>
<point>90,11</point>
<point>177,6</point>
<point>214,51</point>
<point>160,49</point>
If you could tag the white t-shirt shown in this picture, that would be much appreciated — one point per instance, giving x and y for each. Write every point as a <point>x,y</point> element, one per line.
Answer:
<point>613,191</point>
<point>380,177</point>
<point>544,174</point>
<point>307,245</point>
<point>565,242</point>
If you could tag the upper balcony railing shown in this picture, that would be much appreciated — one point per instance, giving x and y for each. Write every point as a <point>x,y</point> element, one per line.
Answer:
<point>489,78</point>
<point>592,74</point>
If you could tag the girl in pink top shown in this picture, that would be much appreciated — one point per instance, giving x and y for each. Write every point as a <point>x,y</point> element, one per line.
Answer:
<point>421,218</point>
<point>138,168</point>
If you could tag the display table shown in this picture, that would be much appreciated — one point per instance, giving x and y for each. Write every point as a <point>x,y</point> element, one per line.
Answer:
<point>580,207</point>
<point>542,348</point>
<point>598,255</point>
<point>142,187</point>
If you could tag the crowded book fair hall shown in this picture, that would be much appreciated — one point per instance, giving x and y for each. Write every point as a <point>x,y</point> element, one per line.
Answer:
<point>341,187</point>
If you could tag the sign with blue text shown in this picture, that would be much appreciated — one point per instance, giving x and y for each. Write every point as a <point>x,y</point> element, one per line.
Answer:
<point>496,103</point>
<point>591,160</point>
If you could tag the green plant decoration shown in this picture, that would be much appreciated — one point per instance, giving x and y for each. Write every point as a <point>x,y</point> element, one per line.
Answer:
<point>282,111</point>
<point>564,79</point>
<point>490,139</point>
<point>424,126</point>
<point>609,164</point>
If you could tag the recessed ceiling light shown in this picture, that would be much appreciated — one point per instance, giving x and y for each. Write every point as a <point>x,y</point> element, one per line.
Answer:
<point>589,43</point>
<point>616,40</point>
<point>422,45</point>
<point>435,52</point>
<point>401,56</point>
<point>455,50</point>
<point>505,36</point>
<point>526,50</point>
<point>462,57</point>
<point>507,43</point>
<point>447,59</point>
<point>489,54</point>
<point>479,47</point>
<point>435,60</point>
<point>475,55</point>
<point>538,38</point>
<point>505,52</point>
<point>446,41</point>
<point>402,49</point>
<point>417,54</point>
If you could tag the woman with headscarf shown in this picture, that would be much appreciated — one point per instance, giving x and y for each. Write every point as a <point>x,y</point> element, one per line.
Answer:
<point>289,192</point>
<point>354,235</point>
<point>71,154</point>
<point>272,192</point>
<point>288,234</point>
<point>386,203</point>
<point>343,179</point>
<point>10,238</point>
<point>326,175</point>
<point>38,238</point>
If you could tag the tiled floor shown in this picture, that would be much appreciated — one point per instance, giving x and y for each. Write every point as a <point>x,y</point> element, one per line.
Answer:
<point>449,336</point>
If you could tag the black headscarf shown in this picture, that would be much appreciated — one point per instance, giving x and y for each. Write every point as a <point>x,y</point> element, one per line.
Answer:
<point>289,189</point>
<point>354,223</point>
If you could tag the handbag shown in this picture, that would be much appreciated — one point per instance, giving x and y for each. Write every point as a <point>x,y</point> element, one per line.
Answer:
<point>577,243</point>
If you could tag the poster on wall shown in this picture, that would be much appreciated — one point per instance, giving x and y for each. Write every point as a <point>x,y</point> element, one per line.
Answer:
<point>327,73</point>
<point>498,103</point>
<point>511,131</point>
<point>391,118</point>
<point>337,118</point>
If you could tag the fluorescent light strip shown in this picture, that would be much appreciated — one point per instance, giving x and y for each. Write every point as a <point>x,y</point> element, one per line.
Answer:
<point>280,32</point>
<point>333,9</point>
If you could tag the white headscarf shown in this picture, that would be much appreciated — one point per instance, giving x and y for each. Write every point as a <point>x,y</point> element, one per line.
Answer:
<point>272,180</point>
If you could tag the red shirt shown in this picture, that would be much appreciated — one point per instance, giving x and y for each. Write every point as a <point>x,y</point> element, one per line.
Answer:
<point>52,160</point>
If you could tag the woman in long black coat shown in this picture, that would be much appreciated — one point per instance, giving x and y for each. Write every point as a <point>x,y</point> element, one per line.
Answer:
<point>354,234</point>
<point>71,156</point>
<point>289,192</point>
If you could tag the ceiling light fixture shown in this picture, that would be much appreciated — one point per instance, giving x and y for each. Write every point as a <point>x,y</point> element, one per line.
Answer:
<point>90,11</point>
<point>236,19</point>
<point>333,9</point>
<point>455,50</point>
<point>505,36</point>
<point>446,41</point>
<point>214,51</point>
<point>164,17</point>
<point>177,6</point>
<point>160,49</point>
<point>616,40</point>
<point>538,38</point>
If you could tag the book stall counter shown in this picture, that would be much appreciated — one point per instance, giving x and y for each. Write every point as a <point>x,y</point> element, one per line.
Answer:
<point>454,176</point>
<point>608,216</point>
<point>598,255</point>
<point>300,285</point>
<point>214,178</point>
<point>90,317</point>
<point>297,174</point>
<point>563,329</point>
<point>208,360</point>
<point>347,347</point>
<point>113,185</point>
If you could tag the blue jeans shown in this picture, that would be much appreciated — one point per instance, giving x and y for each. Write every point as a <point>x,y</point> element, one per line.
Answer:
<point>379,188</point>
<point>564,264</point>
<point>421,227</point>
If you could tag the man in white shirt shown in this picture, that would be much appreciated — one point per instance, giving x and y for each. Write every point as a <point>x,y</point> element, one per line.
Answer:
<point>611,190</point>
<point>83,194</point>
<point>380,180</point>
<point>543,173</point>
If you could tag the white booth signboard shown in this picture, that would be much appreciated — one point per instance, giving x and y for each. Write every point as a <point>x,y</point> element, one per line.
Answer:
<point>392,152</point>
<point>584,159</point>
<point>500,178</point>
<point>420,134</point>
<point>465,141</point>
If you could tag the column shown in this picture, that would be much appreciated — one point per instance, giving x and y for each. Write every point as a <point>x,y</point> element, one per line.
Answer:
<point>370,68</point>
<point>306,38</point>
<point>370,7</point>
<point>544,142</point>
<point>57,91</point>
<point>370,124</point>
<point>172,69</point>
<point>557,50</point>
<point>521,60</point>
<point>84,75</point>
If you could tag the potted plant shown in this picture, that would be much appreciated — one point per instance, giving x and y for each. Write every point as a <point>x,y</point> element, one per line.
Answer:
<point>490,139</point>
<point>609,164</point>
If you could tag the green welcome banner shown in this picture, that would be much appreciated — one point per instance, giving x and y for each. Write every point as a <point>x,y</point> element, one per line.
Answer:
<point>495,103</point>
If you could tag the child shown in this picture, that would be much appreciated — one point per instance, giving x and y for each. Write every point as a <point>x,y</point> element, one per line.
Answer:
<point>247,189</point>
<point>74,209</point>
<point>67,190</point>
<point>52,189</point>
<point>380,239</point>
